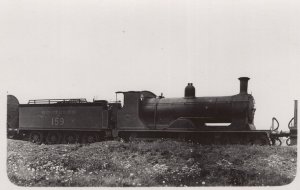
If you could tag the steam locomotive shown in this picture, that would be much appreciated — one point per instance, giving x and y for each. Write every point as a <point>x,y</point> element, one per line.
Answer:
<point>207,120</point>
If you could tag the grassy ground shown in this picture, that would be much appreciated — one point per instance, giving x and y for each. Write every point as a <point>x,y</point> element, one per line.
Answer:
<point>157,163</point>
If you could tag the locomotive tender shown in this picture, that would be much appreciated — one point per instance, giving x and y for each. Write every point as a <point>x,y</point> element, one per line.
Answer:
<point>224,119</point>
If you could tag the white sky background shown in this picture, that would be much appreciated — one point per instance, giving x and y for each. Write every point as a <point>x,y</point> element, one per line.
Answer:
<point>74,49</point>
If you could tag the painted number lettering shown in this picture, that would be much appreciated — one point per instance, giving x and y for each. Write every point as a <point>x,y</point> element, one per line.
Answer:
<point>56,121</point>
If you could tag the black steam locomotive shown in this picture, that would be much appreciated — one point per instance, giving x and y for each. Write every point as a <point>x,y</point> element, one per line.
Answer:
<point>208,120</point>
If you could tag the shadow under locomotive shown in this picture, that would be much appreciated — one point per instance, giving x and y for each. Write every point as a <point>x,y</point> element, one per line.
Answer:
<point>143,115</point>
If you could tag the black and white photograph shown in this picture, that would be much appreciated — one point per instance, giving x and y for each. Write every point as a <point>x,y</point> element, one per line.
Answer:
<point>149,93</point>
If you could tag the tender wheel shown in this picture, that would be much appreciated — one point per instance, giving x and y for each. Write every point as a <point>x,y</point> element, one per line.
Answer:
<point>89,138</point>
<point>36,137</point>
<point>71,138</point>
<point>53,138</point>
<point>101,137</point>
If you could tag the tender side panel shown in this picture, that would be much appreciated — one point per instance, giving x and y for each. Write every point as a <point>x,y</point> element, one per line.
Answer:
<point>67,117</point>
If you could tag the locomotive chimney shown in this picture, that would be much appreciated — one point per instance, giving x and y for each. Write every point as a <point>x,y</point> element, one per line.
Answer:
<point>244,85</point>
<point>189,91</point>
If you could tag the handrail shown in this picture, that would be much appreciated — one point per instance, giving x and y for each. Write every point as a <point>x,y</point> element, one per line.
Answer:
<point>55,101</point>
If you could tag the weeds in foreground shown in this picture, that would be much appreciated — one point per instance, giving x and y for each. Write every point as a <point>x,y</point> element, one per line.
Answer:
<point>156,163</point>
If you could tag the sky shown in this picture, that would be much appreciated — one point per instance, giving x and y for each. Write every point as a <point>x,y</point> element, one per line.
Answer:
<point>91,49</point>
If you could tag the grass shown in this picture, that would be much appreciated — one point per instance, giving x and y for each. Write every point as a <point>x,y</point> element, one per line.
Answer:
<point>156,163</point>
